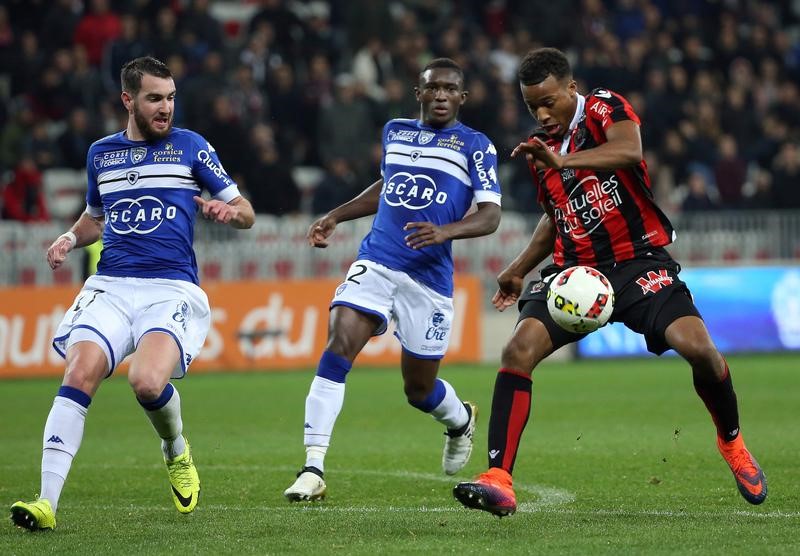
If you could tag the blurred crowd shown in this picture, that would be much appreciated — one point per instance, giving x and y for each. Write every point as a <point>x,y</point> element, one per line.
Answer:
<point>277,85</point>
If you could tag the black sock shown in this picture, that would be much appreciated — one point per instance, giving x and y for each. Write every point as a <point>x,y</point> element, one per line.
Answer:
<point>720,399</point>
<point>511,407</point>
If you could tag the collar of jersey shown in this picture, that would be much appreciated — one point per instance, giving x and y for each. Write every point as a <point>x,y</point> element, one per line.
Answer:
<point>422,125</point>
<point>575,119</point>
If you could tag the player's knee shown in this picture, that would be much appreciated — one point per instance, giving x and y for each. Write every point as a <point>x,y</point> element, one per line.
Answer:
<point>416,391</point>
<point>146,387</point>
<point>520,355</point>
<point>699,352</point>
<point>83,375</point>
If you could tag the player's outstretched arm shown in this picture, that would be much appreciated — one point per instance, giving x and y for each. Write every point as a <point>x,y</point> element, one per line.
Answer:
<point>510,280</point>
<point>364,204</point>
<point>238,212</point>
<point>85,231</point>
<point>483,221</point>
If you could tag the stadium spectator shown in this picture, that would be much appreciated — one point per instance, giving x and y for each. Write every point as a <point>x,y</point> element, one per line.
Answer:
<point>724,64</point>
<point>698,196</point>
<point>579,138</point>
<point>74,142</point>
<point>165,323</point>
<point>404,270</point>
<point>786,176</point>
<point>23,197</point>
<point>343,125</point>
<point>96,28</point>
<point>730,172</point>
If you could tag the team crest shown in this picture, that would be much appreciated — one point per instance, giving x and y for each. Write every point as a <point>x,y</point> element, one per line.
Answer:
<point>426,137</point>
<point>138,154</point>
<point>182,314</point>
<point>580,137</point>
<point>415,155</point>
<point>132,177</point>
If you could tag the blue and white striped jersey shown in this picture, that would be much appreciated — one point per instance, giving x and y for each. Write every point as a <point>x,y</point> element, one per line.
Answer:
<point>145,191</point>
<point>429,175</point>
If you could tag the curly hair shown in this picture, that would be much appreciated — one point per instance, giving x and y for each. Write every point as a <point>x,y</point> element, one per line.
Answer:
<point>538,64</point>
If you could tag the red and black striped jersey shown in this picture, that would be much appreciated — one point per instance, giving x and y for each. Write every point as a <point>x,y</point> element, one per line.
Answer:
<point>601,217</point>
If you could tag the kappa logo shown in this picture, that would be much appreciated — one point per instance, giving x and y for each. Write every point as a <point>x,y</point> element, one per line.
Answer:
<point>426,137</point>
<point>132,177</point>
<point>654,281</point>
<point>138,154</point>
<point>55,439</point>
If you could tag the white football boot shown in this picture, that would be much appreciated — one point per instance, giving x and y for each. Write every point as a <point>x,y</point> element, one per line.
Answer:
<point>458,444</point>
<point>309,486</point>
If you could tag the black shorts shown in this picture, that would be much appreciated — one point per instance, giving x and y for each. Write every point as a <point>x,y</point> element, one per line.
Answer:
<point>648,297</point>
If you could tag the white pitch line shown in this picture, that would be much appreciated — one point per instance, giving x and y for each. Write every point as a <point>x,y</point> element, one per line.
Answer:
<point>548,498</point>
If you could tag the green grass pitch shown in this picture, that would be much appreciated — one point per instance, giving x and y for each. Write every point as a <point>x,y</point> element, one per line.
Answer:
<point>618,458</point>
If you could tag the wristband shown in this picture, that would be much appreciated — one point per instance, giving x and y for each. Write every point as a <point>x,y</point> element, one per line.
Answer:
<point>73,240</point>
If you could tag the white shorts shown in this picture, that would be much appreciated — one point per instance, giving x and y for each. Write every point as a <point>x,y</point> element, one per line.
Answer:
<point>115,313</point>
<point>423,317</point>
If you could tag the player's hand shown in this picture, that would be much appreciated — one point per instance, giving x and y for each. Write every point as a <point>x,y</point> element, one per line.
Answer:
<point>320,230</point>
<point>539,153</point>
<point>427,233</point>
<point>57,252</point>
<point>216,210</point>
<point>510,288</point>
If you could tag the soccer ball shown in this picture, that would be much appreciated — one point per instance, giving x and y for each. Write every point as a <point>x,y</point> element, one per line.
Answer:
<point>580,299</point>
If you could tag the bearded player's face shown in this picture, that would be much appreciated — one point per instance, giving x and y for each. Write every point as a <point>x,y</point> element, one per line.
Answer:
<point>553,103</point>
<point>154,107</point>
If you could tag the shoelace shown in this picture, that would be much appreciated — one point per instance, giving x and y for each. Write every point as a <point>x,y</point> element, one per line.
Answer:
<point>182,472</point>
<point>742,462</point>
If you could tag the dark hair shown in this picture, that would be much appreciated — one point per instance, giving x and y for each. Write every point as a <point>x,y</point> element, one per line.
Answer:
<point>540,63</point>
<point>132,72</point>
<point>445,63</point>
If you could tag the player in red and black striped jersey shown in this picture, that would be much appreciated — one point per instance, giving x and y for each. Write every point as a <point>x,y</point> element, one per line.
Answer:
<point>587,163</point>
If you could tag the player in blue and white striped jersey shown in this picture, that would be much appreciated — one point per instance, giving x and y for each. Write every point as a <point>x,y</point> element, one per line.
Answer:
<point>144,191</point>
<point>433,170</point>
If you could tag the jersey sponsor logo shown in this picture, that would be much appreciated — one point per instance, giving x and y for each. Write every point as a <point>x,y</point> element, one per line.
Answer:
<point>438,327</point>
<point>587,207</point>
<point>138,154</point>
<point>653,282</point>
<point>426,137</point>
<point>451,142</point>
<point>168,154</point>
<point>110,158</point>
<point>412,191</point>
<point>600,109</point>
<point>139,216</point>
<point>217,169</point>
<point>402,135</point>
<point>487,177</point>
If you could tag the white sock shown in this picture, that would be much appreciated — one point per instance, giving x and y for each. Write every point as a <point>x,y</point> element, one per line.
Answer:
<point>62,437</point>
<point>450,411</point>
<point>168,424</point>
<point>323,404</point>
